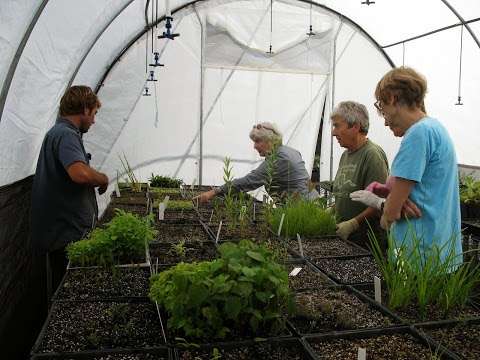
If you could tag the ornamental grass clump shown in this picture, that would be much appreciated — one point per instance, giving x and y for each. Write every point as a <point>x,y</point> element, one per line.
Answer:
<point>123,239</point>
<point>425,279</point>
<point>307,218</point>
<point>244,292</point>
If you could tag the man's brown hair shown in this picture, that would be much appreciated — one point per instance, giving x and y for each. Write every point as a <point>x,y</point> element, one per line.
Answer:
<point>78,98</point>
<point>405,85</point>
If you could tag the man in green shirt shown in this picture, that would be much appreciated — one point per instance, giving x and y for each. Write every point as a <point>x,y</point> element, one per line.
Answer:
<point>362,163</point>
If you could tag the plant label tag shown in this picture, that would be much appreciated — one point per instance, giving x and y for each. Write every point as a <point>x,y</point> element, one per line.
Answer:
<point>253,211</point>
<point>161,211</point>
<point>193,184</point>
<point>362,354</point>
<point>300,246</point>
<point>165,200</point>
<point>281,224</point>
<point>218,232</point>
<point>378,289</point>
<point>117,189</point>
<point>295,271</point>
<point>211,216</point>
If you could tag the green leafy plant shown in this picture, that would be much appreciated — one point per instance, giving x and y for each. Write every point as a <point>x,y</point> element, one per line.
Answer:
<point>164,181</point>
<point>178,249</point>
<point>175,204</point>
<point>123,238</point>
<point>302,217</point>
<point>243,290</point>
<point>423,278</point>
<point>135,185</point>
<point>469,190</point>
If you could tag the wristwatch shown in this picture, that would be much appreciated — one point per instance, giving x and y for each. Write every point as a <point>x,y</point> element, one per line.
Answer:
<point>382,206</point>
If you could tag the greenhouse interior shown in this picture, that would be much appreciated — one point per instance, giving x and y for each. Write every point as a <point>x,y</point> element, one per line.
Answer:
<point>342,223</point>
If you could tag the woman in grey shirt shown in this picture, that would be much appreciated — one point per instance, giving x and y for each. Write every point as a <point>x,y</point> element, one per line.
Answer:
<point>282,172</point>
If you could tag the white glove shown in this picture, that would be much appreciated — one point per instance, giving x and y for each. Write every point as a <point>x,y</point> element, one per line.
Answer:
<point>345,228</point>
<point>368,198</point>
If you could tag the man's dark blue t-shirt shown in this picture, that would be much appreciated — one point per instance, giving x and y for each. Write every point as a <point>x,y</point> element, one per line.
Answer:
<point>62,210</point>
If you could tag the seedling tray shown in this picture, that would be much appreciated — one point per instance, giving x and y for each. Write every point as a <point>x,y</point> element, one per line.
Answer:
<point>420,346</point>
<point>353,250</point>
<point>153,353</point>
<point>349,266</point>
<point>273,349</point>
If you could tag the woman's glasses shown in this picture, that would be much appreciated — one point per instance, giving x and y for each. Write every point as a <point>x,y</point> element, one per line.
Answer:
<point>260,126</point>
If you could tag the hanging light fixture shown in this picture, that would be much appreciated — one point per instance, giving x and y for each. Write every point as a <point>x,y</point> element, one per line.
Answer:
<point>459,96</point>
<point>168,34</point>
<point>146,93</point>
<point>310,29</point>
<point>368,2</point>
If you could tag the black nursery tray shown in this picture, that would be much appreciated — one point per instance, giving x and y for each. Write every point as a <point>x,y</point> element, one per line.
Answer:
<point>285,349</point>
<point>460,337</point>
<point>73,327</point>
<point>349,270</point>
<point>174,233</point>
<point>325,247</point>
<point>104,284</point>
<point>154,353</point>
<point>400,343</point>
<point>309,276</point>
<point>332,309</point>
<point>194,251</point>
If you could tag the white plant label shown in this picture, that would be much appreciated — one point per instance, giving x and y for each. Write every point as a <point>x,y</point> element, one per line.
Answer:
<point>362,354</point>
<point>193,184</point>
<point>264,198</point>
<point>117,190</point>
<point>218,232</point>
<point>165,200</point>
<point>211,217</point>
<point>377,283</point>
<point>161,211</point>
<point>281,224</point>
<point>295,271</point>
<point>300,245</point>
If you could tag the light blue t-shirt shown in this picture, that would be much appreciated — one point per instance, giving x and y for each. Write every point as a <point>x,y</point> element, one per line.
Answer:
<point>427,156</point>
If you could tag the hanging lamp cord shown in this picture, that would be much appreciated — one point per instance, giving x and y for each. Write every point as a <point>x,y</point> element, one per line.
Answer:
<point>459,98</point>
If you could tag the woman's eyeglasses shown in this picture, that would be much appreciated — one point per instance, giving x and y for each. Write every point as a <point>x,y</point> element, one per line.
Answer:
<point>378,105</point>
<point>260,126</point>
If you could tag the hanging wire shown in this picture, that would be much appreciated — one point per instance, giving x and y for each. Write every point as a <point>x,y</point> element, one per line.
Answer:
<point>459,98</point>
<point>146,52</point>
<point>271,27</point>
<point>153,8</point>
<point>310,32</point>
<point>403,53</point>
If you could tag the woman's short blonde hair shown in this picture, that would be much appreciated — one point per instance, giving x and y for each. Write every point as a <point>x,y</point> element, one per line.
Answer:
<point>405,85</point>
<point>266,131</point>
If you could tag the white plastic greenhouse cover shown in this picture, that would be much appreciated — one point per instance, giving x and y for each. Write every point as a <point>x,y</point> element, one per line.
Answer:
<point>218,73</point>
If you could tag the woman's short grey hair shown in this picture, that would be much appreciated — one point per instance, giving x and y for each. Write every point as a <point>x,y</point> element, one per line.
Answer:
<point>266,131</point>
<point>353,113</point>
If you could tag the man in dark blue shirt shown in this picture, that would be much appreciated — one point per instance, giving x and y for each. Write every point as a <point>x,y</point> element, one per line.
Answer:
<point>64,205</point>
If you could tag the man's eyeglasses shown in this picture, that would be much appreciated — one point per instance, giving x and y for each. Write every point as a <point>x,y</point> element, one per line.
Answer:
<point>378,105</point>
<point>260,126</point>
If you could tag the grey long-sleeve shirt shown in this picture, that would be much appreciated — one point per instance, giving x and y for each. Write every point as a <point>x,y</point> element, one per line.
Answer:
<point>289,175</point>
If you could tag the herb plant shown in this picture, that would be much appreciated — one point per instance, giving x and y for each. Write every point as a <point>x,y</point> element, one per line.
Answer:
<point>164,181</point>
<point>122,239</point>
<point>469,190</point>
<point>302,217</point>
<point>243,290</point>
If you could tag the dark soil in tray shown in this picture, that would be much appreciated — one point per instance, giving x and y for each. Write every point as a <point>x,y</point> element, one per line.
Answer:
<point>101,325</point>
<point>129,200</point>
<point>325,247</point>
<point>171,233</point>
<point>109,213</point>
<point>330,309</point>
<point>194,251</point>
<point>177,216</point>
<point>260,351</point>
<point>462,339</point>
<point>307,278</point>
<point>350,271</point>
<point>255,233</point>
<point>94,284</point>
<point>124,356</point>
<point>385,347</point>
